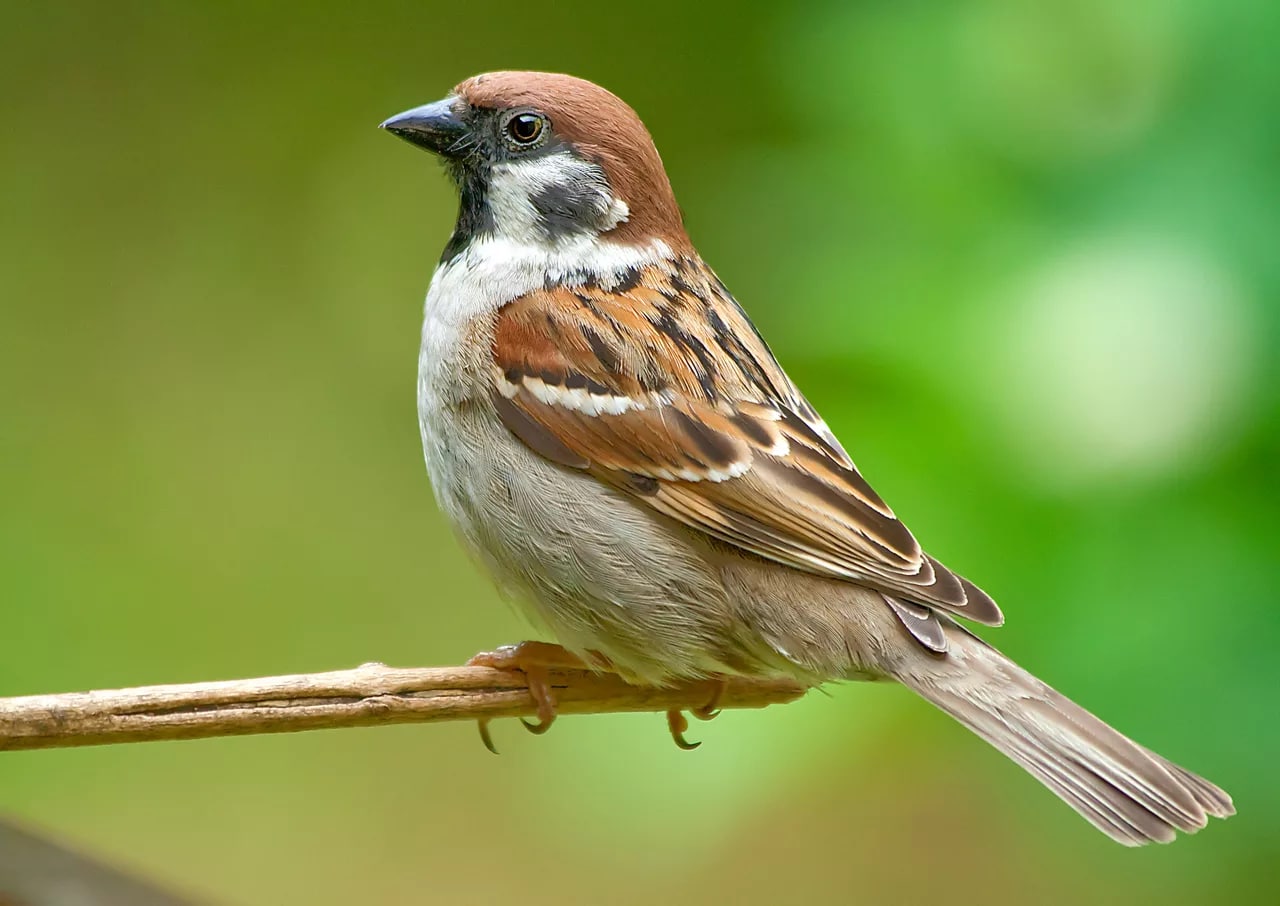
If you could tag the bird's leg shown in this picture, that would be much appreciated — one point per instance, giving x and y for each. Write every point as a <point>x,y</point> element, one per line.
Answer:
<point>535,660</point>
<point>678,724</point>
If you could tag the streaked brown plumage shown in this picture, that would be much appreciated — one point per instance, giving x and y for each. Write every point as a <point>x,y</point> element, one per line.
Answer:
<point>731,446</point>
<point>619,447</point>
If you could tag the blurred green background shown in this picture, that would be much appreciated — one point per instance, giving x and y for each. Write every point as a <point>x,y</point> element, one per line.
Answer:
<point>1023,256</point>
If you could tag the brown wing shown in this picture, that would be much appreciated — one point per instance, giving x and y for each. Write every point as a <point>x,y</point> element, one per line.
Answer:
<point>658,384</point>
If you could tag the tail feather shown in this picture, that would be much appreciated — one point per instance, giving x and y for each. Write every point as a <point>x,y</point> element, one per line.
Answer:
<point>1125,790</point>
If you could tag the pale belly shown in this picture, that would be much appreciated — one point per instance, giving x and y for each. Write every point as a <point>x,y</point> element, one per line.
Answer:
<point>601,572</point>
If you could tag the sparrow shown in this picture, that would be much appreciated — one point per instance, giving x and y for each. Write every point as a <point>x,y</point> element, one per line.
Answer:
<point>614,441</point>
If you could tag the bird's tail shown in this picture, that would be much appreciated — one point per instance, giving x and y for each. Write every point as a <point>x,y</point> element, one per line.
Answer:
<point>1125,790</point>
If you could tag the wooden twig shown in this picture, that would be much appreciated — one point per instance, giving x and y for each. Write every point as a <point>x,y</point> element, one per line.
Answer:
<point>369,695</point>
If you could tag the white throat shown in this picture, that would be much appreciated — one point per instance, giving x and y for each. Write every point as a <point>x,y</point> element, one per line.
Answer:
<point>493,270</point>
<point>469,288</point>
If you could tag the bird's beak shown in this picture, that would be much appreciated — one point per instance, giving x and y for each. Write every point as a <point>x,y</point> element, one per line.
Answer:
<point>437,127</point>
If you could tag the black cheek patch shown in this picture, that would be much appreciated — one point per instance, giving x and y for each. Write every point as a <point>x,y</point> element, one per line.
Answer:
<point>568,209</point>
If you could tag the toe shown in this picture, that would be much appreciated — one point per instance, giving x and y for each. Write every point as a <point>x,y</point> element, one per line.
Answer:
<point>678,724</point>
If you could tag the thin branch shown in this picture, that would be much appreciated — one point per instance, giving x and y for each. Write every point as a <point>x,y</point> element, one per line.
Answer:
<point>369,695</point>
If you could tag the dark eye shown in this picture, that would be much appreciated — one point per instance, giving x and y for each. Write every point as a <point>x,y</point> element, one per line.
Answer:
<point>525,128</point>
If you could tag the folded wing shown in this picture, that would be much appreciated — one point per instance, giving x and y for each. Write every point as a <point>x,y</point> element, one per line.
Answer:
<point>657,384</point>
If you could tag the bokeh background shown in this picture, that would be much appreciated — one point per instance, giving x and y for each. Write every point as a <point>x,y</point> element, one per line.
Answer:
<point>1025,257</point>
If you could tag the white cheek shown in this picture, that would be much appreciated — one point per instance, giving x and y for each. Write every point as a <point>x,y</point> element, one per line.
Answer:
<point>513,185</point>
<point>618,213</point>
<point>510,190</point>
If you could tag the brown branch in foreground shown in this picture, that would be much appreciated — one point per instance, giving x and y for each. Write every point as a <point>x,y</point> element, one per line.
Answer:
<point>369,695</point>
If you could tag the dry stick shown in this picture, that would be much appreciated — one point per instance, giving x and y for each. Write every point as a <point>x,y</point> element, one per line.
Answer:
<point>369,695</point>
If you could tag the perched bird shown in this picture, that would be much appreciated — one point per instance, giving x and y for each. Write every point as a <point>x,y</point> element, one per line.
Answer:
<point>613,439</point>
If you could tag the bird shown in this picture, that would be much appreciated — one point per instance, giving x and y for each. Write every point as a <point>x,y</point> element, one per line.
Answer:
<point>613,440</point>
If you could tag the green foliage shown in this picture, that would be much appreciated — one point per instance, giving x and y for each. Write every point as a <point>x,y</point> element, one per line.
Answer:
<point>1022,256</point>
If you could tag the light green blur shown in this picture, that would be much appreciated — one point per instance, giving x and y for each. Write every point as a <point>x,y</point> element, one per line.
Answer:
<point>1024,257</point>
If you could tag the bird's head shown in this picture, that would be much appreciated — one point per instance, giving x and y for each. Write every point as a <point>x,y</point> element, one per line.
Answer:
<point>546,159</point>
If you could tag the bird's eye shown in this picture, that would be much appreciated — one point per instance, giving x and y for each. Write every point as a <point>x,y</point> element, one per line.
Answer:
<point>525,129</point>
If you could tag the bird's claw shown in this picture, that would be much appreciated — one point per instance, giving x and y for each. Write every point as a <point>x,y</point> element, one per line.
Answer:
<point>711,709</point>
<point>485,737</point>
<point>534,660</point>
<point>537,729</point>
<point>678,724</point>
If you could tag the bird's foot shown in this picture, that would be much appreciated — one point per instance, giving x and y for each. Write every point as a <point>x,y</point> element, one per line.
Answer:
<point>678,724</point>
<point>535,660</point>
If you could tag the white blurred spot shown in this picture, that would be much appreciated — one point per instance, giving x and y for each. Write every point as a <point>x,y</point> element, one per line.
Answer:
<point>1121,359</point>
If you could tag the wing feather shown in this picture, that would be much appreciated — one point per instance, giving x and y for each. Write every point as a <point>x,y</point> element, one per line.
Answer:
<point>658,384</point>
